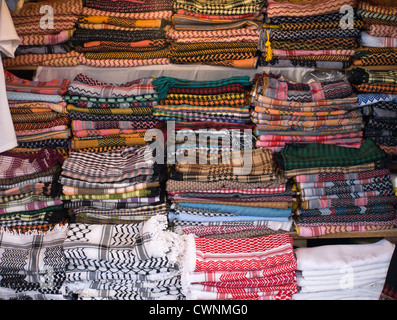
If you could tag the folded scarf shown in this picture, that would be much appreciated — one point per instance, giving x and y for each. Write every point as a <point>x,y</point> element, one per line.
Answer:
<point>59,8</point>
<point>370,41</point>
<point>54,59</point>
<point>121,63</point>
<point>382,31</point>
<point>308,8</point>
<point>79,125</point>
<point>80,36</point>
<point>296,156</point>
<point>16,84</point>
<point>129,6</point>
<point>127,140</point>
<point>83,85</point>
<point>276,87</point>
<point>226,254</point>
<point>220,8</point>
<point>32,263</point>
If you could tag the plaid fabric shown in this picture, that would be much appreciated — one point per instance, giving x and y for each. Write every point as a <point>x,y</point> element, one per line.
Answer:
<point>105,179</point>
<point>112,204</point>
<point>387,77</point>
<point>278,189</point>
<point>325,203</point>
<point>15,165</point>
<point>277,88</point>
<point>27,258</point>
<point>338,170</point>
<point>261,164</point>
<point>144,210</point>
<point>180,185</point>
<point>81,183</point>
<point>296,156</point>
<point>113,163</point>
<point>16,84</point>
<point>324,229</point>
<point>137,193</point>
<point>18,206</point>
<point>83,85</point>
<point>220,7</point>
<point>68,190</point>
<point>335,177</point>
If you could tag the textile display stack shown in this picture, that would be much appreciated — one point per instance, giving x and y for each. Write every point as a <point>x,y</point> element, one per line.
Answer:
<point>39,113</point>
<point>343,272</point>
<point>122,261</point>
<point>325,111</point>
<point>33,264</point>
<point>262,268</point>
<point>217,33</point>
<point>378,42</point>
<point>123,33</point>
<point>110,115</point>
<point>45,29</point>
<point>214,187</point>
<point>377,93</point>
<point>340,189</point>
<point>314,34</point>
<point>116,186</point>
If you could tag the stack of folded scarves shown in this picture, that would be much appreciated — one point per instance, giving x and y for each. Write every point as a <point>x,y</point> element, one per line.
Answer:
<point>379,38</point>
<point>223,201</point>
<point>210,187</point>
<point>30,192</point>
<point>380,116</point>
<point>108,115</point>
<point>122,262</point>
<point>341,189</point>
<point>308,34</point>
<point>123,33</point>
<point>342,272</point>
<point>33,264</point>
<point>217,33</point>
<point>289,112</point>
<point>39,113</point>
<point>45,39</point>
<point>117,186</point>
<point>260,268</point>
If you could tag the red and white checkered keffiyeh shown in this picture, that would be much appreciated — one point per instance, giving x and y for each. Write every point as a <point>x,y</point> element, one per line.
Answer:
<point>240,268</point>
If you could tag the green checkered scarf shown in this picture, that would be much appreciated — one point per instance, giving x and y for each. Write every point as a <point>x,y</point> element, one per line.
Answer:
<point>310,155</point>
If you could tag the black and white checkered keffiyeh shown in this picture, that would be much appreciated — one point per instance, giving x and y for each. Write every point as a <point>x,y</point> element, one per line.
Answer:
<point>123,261</point>
<point>32,263</point>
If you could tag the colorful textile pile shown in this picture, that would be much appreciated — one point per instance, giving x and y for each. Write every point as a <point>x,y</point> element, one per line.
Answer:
<point>39,113</point>
<point>342,272</point>
<point>341,189</point>
<point>380,116</point>
<point>123,33</point>
<point>30,192</point>
<point>122,262</point>
<point>379,37</point>
<point>318,112</point>
<point>33,264</point>
<point>45,29</point>
<point>217,183</point>
<point>313,34</point>
<point>216,33</point>
<point>108,115</point>
<point>117,186</point>
<point>260,268</point>
<point>229,201</point>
